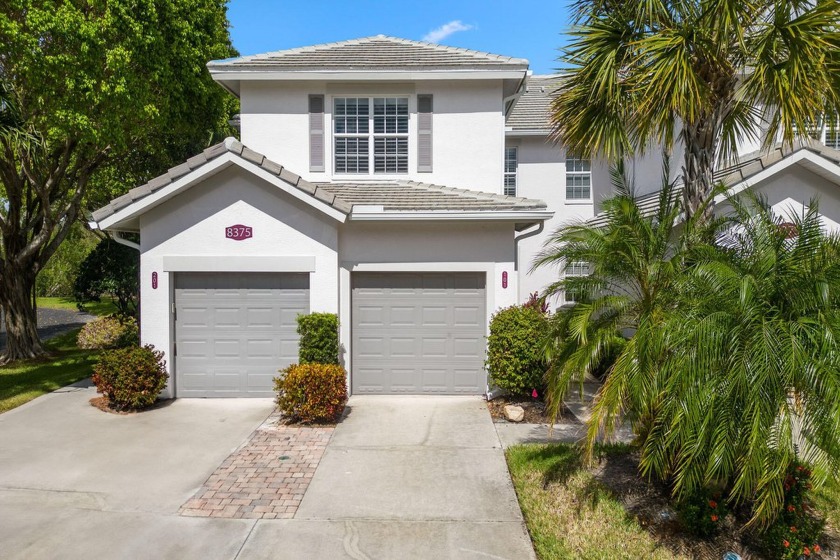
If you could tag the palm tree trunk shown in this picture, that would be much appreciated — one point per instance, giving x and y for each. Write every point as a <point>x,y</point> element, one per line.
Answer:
<point>700,144</point>
<point>22,339</point>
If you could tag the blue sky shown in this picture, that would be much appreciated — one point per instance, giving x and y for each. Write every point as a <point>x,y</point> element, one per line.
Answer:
<point>523,28</point>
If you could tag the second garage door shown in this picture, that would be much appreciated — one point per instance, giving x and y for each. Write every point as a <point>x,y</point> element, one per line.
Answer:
<point>233,331</point>
<point>418,333</point>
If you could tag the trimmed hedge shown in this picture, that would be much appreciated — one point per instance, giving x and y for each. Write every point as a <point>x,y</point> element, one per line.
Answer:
<point>131,378</point>
<point>112,331</point>
<point>312,392</point>
<point>514,359</point>
<point>318,338</point>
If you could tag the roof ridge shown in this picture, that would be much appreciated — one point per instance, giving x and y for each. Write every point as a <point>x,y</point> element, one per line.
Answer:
<point>368,39</point>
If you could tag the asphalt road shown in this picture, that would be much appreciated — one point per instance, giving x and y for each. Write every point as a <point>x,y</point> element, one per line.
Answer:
<point>51,322</point>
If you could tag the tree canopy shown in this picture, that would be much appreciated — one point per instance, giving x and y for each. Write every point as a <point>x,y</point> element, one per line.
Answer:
<point>95,96</point>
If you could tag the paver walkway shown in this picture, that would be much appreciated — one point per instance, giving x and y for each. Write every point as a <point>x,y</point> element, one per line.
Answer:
<point>267,477</point>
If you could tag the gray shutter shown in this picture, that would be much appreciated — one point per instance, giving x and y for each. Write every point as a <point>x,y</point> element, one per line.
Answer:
<point>316,133</point>
<point>424,133</point>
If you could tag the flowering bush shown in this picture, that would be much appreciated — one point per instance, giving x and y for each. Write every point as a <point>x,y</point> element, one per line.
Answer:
<point>312,392</point>
<point>131,378</point>
<point>703,513</point>
<point>797,530</point>
<point>112,331</point>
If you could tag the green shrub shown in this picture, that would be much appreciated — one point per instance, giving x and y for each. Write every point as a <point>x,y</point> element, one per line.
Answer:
<point>131,378</point>
<point>318,338</point>
<point>110,269</point>
<point>796,532</point>
<point>312,392</point>
<point>601,368</point>
<point>112,331</point>
<point>702,514</point>
<point>514,359</point>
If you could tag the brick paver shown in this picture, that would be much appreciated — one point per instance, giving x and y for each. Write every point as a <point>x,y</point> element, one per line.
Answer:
<point>267,477</point>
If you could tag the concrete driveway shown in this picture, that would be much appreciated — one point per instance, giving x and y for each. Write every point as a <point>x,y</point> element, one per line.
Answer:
<point>76,482</point>
<point>403,477</point>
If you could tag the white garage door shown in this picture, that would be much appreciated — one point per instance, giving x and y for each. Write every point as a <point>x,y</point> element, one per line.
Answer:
<point>418,333</point>
<point>233,331</point>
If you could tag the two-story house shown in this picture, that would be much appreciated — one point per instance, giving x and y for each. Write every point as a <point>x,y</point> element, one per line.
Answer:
<point>404,186</point>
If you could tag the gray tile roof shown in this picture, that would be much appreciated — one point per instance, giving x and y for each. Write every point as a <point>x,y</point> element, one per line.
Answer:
<point>531,111</point>
<point>373,53</point>
<point>401,195</point>
<point>747,166</point>
<point>411,195</point>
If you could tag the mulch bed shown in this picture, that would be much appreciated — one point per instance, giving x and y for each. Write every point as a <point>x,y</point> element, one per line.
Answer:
<point>104,404</point>
<point>535,411</point>
<point>648,502</point>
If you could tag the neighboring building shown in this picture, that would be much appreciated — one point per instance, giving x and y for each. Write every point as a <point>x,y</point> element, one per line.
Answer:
<point>405,186</point>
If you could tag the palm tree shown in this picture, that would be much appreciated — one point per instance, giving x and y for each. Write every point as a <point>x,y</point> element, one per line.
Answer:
<point>752,376</point>
<point>634,261</point>
<point>708,73</point>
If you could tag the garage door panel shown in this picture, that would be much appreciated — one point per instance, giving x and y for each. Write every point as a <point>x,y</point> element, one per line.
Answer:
<point>418,333</point>
<point>234,331</point>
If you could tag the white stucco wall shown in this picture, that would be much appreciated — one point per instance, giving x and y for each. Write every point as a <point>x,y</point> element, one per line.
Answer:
<point>193,225</point>
<point>468,128</point>
<point>427,247</point>
<point>542,175</point>
<point>793,189</point>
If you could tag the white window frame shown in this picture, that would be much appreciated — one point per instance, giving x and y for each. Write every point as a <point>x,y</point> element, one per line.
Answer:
<point>574,269</point>
<point>510,175</point>
<point>371,136</point>
<point>827,133</point>
<point>578,173</point>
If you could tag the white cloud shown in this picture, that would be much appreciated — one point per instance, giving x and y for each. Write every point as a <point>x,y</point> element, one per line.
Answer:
<point>445,30</point>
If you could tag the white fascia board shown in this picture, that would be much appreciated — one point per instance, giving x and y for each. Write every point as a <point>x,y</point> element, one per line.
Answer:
<point>503,216</point>
<point>212,167</point>
<point>532,132</point>
<point>779,166</point>
<point>343,75</point>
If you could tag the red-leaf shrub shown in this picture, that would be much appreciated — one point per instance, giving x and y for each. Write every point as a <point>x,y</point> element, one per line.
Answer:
<point>131,378</point>
<point>312,392</point>
<point>112,331</point>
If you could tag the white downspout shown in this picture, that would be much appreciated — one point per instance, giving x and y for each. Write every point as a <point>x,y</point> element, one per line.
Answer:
<point>123,241</point>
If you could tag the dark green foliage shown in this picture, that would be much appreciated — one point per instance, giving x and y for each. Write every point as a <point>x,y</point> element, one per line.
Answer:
<point>797,530</point>
<point>312,392</point>
<point>58,277</point>
<point>318,338</point>
<point>702,514</point>
<point>110,269</point>
<point>514,357</point>
<point>131,378</point>
<point>112,331</point>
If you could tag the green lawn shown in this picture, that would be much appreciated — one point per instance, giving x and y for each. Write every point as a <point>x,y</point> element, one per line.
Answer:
<point>23,381</point>
<point>571,515</point>
<point>104,307</point>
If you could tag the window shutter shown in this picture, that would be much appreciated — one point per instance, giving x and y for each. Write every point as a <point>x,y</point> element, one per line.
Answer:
<point>316,133</point>
<point>424,133</point>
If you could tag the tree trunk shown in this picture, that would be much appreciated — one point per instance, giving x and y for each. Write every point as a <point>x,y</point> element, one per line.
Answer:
<point>698,168</point>
<point>22,339</point>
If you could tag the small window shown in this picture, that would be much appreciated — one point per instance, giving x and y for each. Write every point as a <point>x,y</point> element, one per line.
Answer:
<point>578,178</point>
<point>832,134</point>
<point>357,129</point>
<point>511,165</point>
<point>575,269</point>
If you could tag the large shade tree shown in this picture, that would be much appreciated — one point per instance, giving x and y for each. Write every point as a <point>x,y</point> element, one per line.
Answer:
<point>700,75</point>
<point>95,95</point>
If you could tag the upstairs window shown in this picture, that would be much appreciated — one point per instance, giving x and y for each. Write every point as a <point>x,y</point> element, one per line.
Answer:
<point>578,178</point>
<point>511,165</point>
<point>826,131</point>
<point>370,135</point>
